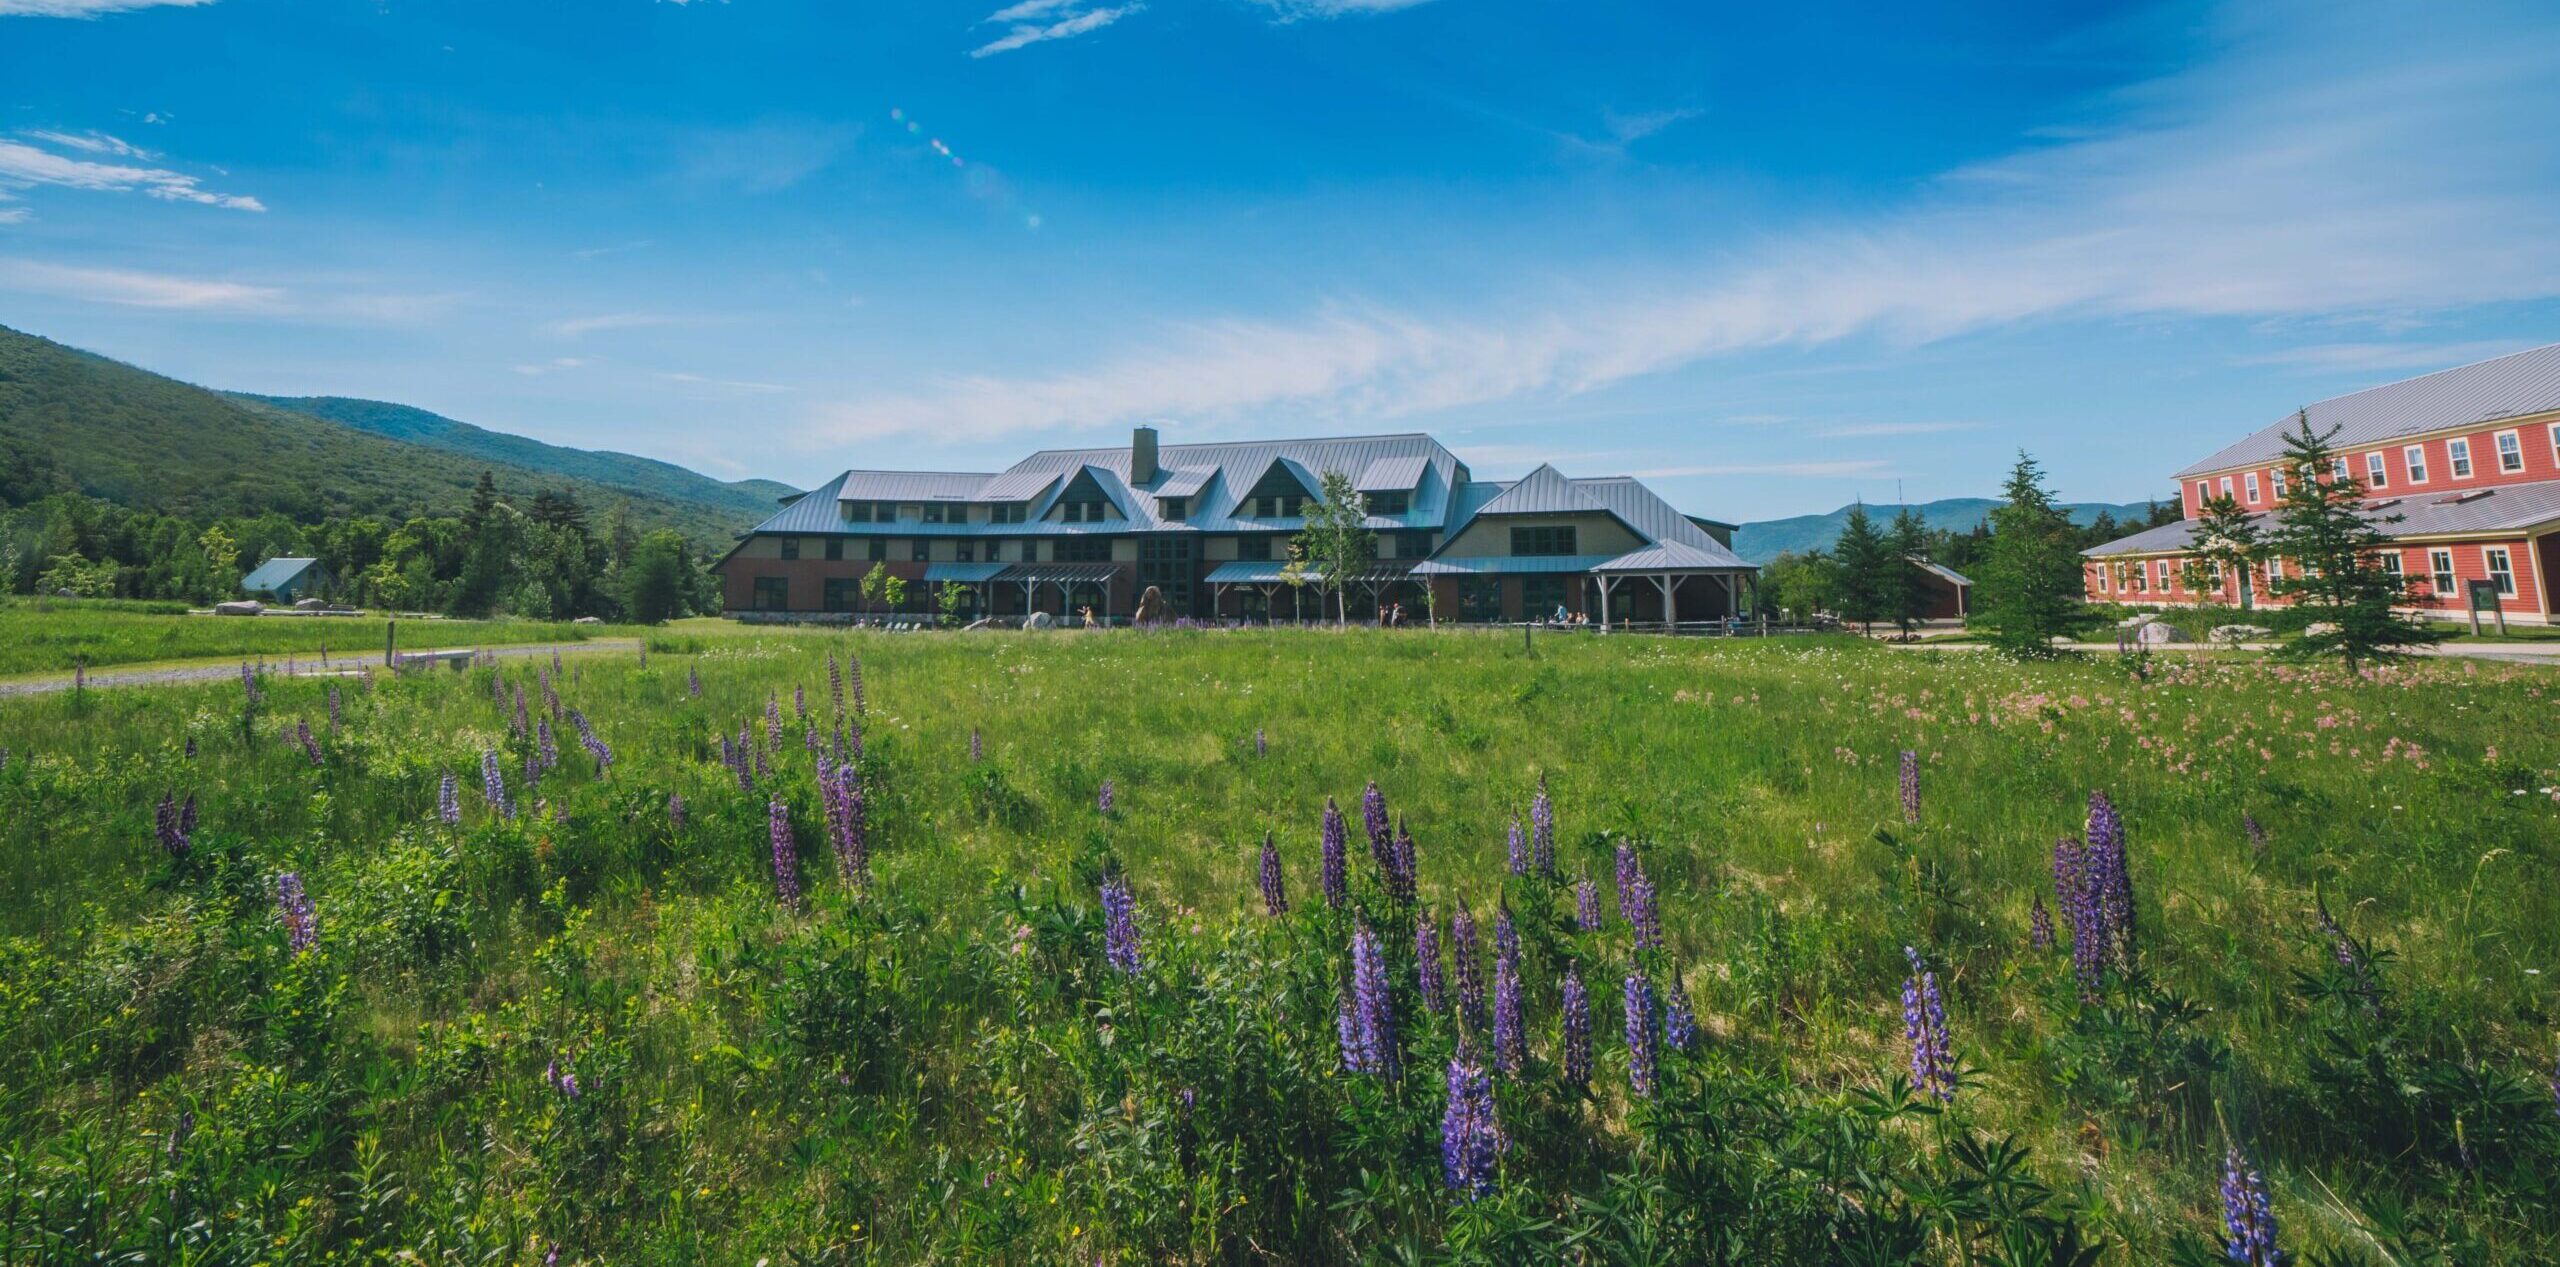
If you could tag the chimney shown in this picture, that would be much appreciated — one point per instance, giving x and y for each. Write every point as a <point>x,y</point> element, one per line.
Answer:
<point>1142,457</point>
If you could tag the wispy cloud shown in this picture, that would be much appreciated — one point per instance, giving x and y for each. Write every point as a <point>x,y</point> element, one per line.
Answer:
<point>1871,430</point>
<point>2327,357</point>
<point>23,165</point>
<point>536,369</point>
<point>1793,470</point>
<point>1295,10</point>
<point>133,289</point>
<point>2392,162</point>
<point>599,252</point>
<point>15,215</point>
<point>725,384</point>
<point>577,327</point>
<point>1029,9</point>
<point>761,158</point>
<point>1025,34</point>
<point>84,8</point>
<point>91,142</point>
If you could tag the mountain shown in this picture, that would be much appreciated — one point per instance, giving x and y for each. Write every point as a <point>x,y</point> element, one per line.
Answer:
<point>752,500</point>
<point>75,420</point>
<point>1767,539</point>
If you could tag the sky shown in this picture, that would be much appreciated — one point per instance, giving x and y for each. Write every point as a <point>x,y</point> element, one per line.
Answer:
<point>1770,258</point>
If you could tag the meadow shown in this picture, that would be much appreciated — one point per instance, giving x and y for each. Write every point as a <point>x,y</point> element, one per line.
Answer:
<point>826,948</point>
<point>53,635</point>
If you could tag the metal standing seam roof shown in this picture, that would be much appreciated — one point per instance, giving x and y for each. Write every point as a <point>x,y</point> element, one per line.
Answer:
<point>1511,564</point>
<point>911,486</point>
<point>1942,572</point>
<point>2500,508</point>
<point>275,572</point>
<point>1014,486</point>
<point>1393,474</point>
<point>1186,482</point>
<point>965,573</point>
<point>2512,386</point>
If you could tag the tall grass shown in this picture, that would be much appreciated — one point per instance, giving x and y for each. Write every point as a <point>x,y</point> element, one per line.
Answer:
<point>941,1067</point>
<point>54,635</point>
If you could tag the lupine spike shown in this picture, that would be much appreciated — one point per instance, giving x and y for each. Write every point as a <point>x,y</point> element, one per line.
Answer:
<point>977,746</point>
<point>1103,800</point>
<point>1466,955</point>
<point>2248,1217</point>
<point>1517,848</point>
<point>1261,746</point>
<point>1542,829</point>
<point>1120,924</point>
<point>1510,1039</point>
<point>1576,1007</point>
<point>493,784</point>
<point>1426,964</point>
<point>1373,1008</point>
<point>1404,878</point>
<point>293,907</point>
<point>786,853</point>
<point>1586,904</point>
<point>1643,1048</point>
<point>1679,1020</point>
<point>2039,925</point>
<point>1275,899</point>
<point>693,681</point>
<point>1644,916</point>
<point>1337,841</point>
<point>1470,1133</point>
<point>2256,833</point>
<point>1373,816</point>
<point>1924,1027</point>
<point>675,810</point>
<point>1910,786</point>
<point>1626,872</point>
<point>449,801</point>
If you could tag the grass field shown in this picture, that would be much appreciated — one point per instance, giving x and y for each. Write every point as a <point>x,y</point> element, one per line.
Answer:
<point>40,636</point>
<point>598,1027</point>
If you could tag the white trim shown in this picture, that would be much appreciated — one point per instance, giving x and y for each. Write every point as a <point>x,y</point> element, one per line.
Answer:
<point>2440,570</point>
<point>2457,458</point>
<point>2250,482</point>
<point>2496,443</point>
<point>2490,556</point>
<point>2377,470</point>
<point>2414,458</point>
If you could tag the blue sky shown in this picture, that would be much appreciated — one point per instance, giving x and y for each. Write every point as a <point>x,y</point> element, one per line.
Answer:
<point>1771,257</point>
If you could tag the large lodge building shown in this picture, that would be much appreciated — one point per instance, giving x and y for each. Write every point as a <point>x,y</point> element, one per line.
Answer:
<point>1209,525</point>
<point>2468,460</point>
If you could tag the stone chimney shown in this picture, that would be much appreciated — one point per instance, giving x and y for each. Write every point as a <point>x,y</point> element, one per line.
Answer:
<point>1142,457</point>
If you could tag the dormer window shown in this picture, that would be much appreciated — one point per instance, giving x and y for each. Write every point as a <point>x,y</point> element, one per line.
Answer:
<point>1005,513</point>
<point>933,513</point>
<point>1082,512</point>
<point>1173,507</point>
<point>1390,503</point>
<point>1282,506</point>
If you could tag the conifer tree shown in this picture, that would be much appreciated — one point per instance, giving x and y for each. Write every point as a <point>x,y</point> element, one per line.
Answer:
<point>2030,590</point>
<point>1858,561</point>
<point>2336,549</point>
<point>1905,599</point>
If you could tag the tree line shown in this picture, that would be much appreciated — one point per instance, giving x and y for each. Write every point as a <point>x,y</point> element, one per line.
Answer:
<point>543,560</point>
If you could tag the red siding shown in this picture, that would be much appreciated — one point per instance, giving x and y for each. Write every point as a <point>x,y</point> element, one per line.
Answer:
<point>2540,463</point>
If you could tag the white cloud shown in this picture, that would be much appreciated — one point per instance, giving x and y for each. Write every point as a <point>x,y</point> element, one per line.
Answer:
<point>1066,29</point>
<point>1796,470</point>
<point>725,384</point>
<point>1293,10</point>
<point>2359,357</point>
<point>83,8</point>
<point>93,142</point>
<point>22,165</point>
<point>574,327</point>
<point>2394,162</point>
<point>129,288</point>
<point>15,215</point>
<point>1029,9</point>
<point>539,368</point>
<point>1868,430</point>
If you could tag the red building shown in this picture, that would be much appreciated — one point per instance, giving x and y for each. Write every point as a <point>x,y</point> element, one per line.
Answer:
<point>2467,460</point>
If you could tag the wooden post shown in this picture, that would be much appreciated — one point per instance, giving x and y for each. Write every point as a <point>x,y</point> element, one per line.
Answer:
<point>390,644</point>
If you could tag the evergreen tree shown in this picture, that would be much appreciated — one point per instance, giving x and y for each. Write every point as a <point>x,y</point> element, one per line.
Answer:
<point>2029,590</point>
<point>1335,540</point>
<point>654,581</point>
<point>1904,598</point>
<point>2227,545</point>
<point>2336,551</point>
<point>1858,561</point>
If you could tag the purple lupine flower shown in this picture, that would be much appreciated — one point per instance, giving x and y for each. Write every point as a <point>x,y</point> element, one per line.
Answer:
<point>675,810</point>
<point>1516,848</point>
<point>762,770</point>
<point>165,819</point>
<point>835,684</point>
<point>799,703</point>
<point>1586,903</point>
<point>853,670</point>
<point>1576,1006</point>
<point>563,1082</point>
<point>249,692</point>
<point>79,675</point>
<point>1261,746</point>
<point>493,784</point>
<point>1470,1134</point>
<point>1275,899</point>
<point>1337,839</point>
<point>854,727</point>
<point>842,793</point>
<point>2248,1218</point>
<point>1542,829</point>
<point>1510,1040</point>
<point>1910,786</point>
<point>977,746</point>
<point>533,779</point>
<point>2257,834</point>
<point>1924,1027</point>
<point>595,745</point>
<point>1403,879</point>
<point>786,853</point>
<point>1466,955</point>
<point>546,744</point>
<point>2113,877</point>
<point>1643,1047</point>
<point>772,721</point>
<point>310,745</point>
<point>179,1135</point>
<point>187,822</point>
<point>1679,1020</point>
<point>1626,872</point>
<point>337,718</point>
<point>519,725</point>
<point>1642,912</point>
<point>2039,925</point>
<point>1102,800</point>
<point>1373,1013</point>
<point>1120,924</point>
<point>1506,934</point>
<point>293,907</point>
<point>449,800</point>
<point>1426,963</point>
<point>1373,816</point>
<point>1346,1030</point>
<point>693,680</point>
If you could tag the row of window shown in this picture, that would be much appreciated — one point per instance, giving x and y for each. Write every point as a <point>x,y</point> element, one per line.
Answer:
<point>2507,453</point>
<point>1077,510</point>
<point>1260,549</point>
<point>2161,574</point>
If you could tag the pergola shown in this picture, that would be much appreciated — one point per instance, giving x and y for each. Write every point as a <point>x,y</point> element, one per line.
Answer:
<point>1666,566</point>
<point>1066,576</point>
<point>977,576</point>
<point>1260,576</point>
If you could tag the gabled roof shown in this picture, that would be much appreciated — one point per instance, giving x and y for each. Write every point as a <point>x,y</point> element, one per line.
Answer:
<point>1012,486</point>
<point>1237,466</point>
<point>275,572</point>
<point>2512,386</point>
<point>1544,491</point>
<point>1396,474</point>
<point>1186,482</point>
<point>1943,573</point>
<point>2498,508</point>
<point>908,486</point>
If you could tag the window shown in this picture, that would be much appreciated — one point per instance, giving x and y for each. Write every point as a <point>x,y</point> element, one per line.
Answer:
<point>1279,506</point>
<point>2250,481</point>
<point>1389,503</point>
<point>933,512</point>
<point>2204,493</point>
<point>773,594</point>
<point>1412,545</point>
<point>2391,566</point>
<point>1170,561</point>
<point>1546,542</point>
<point>1173,507</point>
<point>920,549</point>
<point>2415,456</point>
<point>2440,568</point>
<point>995,552</point>
<point>2140,581</point>
<point>1007,513</point>
<point>2160,574</point>
<point>2502,569</point>
<point>2510,452</point>
<point>2226,486</point>
<point>1083,550</point>
<point>1254,549</point>
<point>791,547</point>
<point>966,552</point>
<point>2376,473</point>
<point>1540,596</point>
<point>2277,476</point>
<point>876,549</point>
<point>1479,598</point>
<point>841,594</point>
<point>2103,578</point>
<point>2457,454</point>
<point>856,512</point>
<point>1083,512</point>
<point>2555,443</point>
<point>835,549</point>
<point>2338,467</point>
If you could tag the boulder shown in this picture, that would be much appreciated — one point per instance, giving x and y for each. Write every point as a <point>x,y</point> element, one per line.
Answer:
<point>2318,628</point>
<point>2158,633</point>
<point>242,607</point>
<point>2241,633</point>
<point>312,605</point>
<point>588,620</point>
<point>1039,620</point>
<point>2137,620</point>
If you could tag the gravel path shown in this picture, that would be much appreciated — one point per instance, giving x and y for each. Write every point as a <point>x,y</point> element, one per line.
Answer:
<point>302,668</point>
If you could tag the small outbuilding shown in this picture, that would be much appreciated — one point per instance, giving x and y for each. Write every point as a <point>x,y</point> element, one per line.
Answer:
<point>287,580</point>
<point>1947,594</point>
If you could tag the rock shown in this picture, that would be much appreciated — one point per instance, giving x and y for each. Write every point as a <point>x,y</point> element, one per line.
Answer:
<point>243,607</point>
<point>2240,633</point>
<point>2158,633</point>
<point>2137,620</point>
<point>1151,608</point>
<point>588,620</point>
<point>312,605</point>
<point>1039,620</point>
<point>2319,628</point>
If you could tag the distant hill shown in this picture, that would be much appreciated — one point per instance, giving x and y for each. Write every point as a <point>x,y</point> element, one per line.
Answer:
<point>72,419</point>
<point>1767,539</point>
<point>637,476</point>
